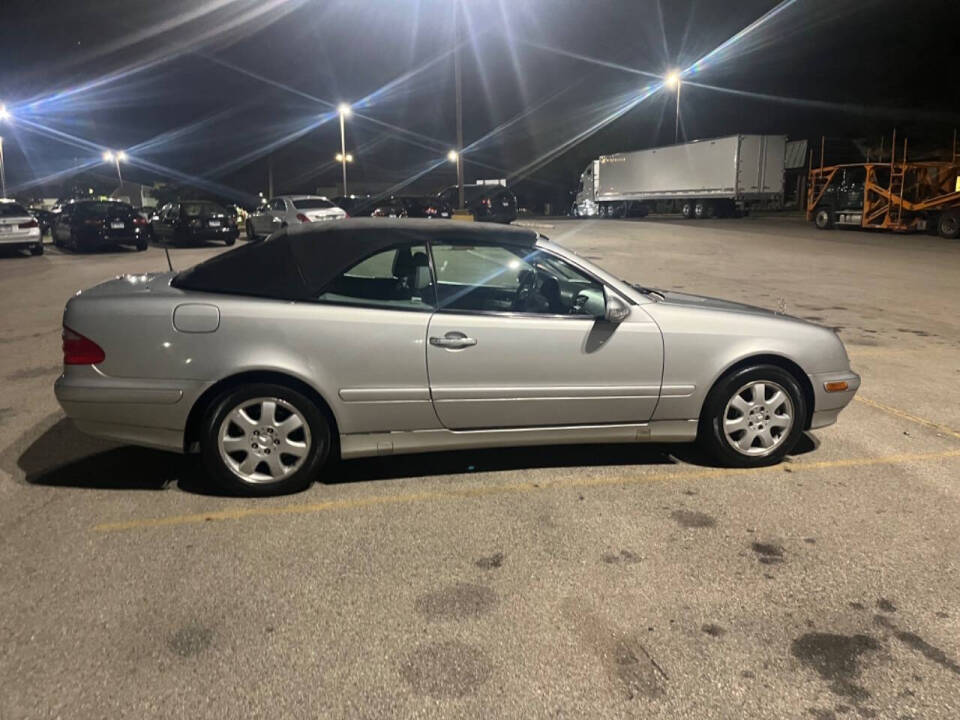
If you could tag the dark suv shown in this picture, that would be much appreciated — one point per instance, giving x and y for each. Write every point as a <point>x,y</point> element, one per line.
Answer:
<point>193,222</point>
<point>91,224</point>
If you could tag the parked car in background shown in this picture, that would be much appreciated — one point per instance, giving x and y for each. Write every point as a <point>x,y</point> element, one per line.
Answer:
<point>406,206</point>
<point>487,203</point>
<point>286,210</point>
<point>92,224</point>
<point>374,337</point>
<point>44,217</point>
<point>194,222</point>
<point>355,205</point>
<point>18,228</point>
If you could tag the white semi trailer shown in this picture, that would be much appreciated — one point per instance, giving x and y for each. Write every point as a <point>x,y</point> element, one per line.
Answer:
<point>704,178</point>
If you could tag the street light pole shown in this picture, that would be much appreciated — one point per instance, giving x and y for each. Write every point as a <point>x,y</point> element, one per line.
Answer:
<point>3,174</point>
<point>456,72</point>
<point>673,80</point>
<point>676,127</point>
<point>344,110</point>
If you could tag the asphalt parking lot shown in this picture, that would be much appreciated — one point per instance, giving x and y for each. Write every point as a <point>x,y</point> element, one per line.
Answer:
<point>577,582</point>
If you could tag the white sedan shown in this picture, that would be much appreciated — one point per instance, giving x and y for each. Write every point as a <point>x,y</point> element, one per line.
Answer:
<point>291,210</point>
<point>18,228</point>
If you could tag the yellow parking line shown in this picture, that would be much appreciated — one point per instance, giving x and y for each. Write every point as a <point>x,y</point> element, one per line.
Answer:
<point>908,416</point>
<point>477,492</point>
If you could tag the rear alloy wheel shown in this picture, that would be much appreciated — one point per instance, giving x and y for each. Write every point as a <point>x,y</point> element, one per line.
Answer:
<point>753,417</point>
<point>949,226</point>
<point>687,209</point>
<point>264,439</point>
<point>823,219</point>
<point>36,249</point>
<point>703,209</point>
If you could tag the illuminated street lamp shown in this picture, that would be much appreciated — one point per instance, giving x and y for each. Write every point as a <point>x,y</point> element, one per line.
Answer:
<point>343,157</point>
<point>116,158</point>
<point>4,115</point>
<point>672,81</point>
<point>454,157</point>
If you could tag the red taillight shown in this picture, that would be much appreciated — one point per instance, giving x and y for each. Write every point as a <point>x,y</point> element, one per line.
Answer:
<point>28,224</point>
<point>78,350</point>
<point>302,218</point>
<point>137,220</point>
<point>485,202</point>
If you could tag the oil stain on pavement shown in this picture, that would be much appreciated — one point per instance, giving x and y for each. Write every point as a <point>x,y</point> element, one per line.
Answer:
<point>457,602</point>
<point>449,669</point>
<point>770,553</point>
<point>836,658</point>
<point>693,519</point>
<point>191,640</point>
<point>628,664</point>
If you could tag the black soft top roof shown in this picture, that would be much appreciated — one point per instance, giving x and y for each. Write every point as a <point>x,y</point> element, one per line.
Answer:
<point>298,263</point>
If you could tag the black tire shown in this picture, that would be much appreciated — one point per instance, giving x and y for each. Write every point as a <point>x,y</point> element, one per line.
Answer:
<point>230,240</point>
<point>317,425</point>
<point>36,249</point>
<point>142,244</point>
<point>703,210</point>
<point>948,225</point>
<point>711,435</point>
<point>687,209</point>
<point>823,218</point>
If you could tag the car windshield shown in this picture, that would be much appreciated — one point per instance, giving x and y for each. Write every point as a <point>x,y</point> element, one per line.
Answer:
<point>102,209</point>
<point>12,210</point>
<point>312,204</point>
<point>198,209</point>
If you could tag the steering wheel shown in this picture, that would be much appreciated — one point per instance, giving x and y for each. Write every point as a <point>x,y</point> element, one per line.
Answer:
<point>527,285</point>
<point>578,303</point>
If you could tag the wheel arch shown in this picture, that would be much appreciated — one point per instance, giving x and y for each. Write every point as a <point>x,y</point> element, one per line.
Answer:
<point>191,434</point>
<point>781,361</point>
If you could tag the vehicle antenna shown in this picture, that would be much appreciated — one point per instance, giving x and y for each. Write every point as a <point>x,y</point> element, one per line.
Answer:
<point>166,251</point>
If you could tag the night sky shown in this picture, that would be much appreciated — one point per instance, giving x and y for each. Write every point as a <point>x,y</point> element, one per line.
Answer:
<point>203,92</point>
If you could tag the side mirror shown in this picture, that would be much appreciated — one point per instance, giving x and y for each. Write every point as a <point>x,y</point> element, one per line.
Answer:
<point>615,310</point>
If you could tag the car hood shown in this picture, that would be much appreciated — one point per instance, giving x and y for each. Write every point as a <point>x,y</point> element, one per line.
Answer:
<point>672,297</point>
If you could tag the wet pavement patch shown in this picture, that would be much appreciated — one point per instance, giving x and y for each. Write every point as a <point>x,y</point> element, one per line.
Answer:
<point>490,563</point>
<point>191,640</point>
<point>457,602</point>
<point>836,658</point>
<point>713,630</point>
<point>770,553</point>
<point>449,669</point>
<point>693,519</point>
<point>625,557</point>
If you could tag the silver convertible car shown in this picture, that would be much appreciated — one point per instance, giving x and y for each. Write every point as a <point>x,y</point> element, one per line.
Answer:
<point>378,337</point>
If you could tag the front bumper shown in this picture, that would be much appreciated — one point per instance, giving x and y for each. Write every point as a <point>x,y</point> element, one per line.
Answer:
<point>827,405</point>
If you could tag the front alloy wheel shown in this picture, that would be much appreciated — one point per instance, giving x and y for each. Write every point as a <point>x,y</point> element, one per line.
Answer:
<point>758,418</point>
<point>264,439</point>
<point>753,416</point>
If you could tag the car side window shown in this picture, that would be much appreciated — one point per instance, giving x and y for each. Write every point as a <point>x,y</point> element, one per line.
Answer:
<point>512,279</point>
<point>278,205</point>
<point>398,278</point>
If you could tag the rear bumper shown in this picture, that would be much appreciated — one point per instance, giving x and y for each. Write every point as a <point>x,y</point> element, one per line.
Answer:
<point>102,238</point>
<point>28,237</point>
<point>145,412</point>
<point>224,233</point>
<point>827,405</point>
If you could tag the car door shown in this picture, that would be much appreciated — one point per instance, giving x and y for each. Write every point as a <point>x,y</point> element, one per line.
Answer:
<point>519,340</point>
<point>371,325</point>
<point>61,225</point>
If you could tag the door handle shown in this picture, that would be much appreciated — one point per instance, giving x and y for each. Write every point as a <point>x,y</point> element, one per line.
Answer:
<point>453,341</point>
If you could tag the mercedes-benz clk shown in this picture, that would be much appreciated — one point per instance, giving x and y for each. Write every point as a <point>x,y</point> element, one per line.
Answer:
<point>382,337</point>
